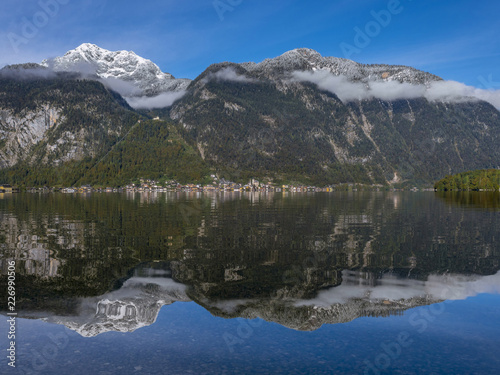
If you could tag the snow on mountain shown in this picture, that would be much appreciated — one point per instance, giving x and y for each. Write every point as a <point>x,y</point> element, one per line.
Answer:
<point>139,80</point>
<point>305,59</point>
<point>123,71</point>
<point>134,306</point>
<point>350,80</point>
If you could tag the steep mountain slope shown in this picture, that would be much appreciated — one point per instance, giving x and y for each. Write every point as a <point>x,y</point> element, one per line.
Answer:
<point>145,77</point>
<point>57,129</point>
<point>273,125</point>
<point>151,149</point>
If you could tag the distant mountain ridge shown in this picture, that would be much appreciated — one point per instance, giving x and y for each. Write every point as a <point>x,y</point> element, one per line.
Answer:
<point>305,59</point>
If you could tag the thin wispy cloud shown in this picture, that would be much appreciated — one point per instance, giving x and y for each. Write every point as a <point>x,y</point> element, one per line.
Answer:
<point>130,92</point>
<point>229,74</point>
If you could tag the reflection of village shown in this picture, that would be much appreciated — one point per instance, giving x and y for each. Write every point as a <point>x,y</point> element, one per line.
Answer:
<point>6,188</point>
<point>217,185</point>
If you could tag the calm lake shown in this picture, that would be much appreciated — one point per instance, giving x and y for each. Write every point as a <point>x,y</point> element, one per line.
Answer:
<point>252,283</point>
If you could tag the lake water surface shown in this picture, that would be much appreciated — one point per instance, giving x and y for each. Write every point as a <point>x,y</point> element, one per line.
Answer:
<point>237,283</point>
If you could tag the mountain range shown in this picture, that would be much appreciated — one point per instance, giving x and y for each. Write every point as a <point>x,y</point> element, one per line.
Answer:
<point>85,117</point>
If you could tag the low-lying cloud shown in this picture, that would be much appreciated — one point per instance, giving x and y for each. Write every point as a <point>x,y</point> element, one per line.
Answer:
<point>122,87</point>
<point>346,90</point>
<point>437,287</point>
<point>163,100</point>
<point>128,90</point>
<point>229,74</point>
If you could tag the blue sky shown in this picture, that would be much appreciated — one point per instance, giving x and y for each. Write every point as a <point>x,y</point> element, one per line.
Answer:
<point>455,39</point>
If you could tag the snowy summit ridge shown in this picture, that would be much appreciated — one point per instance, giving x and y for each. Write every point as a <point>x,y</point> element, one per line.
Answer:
<point>125,66</point>
<point>306,59</point>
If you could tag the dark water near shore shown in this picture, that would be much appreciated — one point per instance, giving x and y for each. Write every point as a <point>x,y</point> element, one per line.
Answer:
<point>178,283</point>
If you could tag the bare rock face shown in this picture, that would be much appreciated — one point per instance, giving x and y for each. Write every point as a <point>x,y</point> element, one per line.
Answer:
<point>20,132</point>
<point>48,118</point>
<point>135,305</point>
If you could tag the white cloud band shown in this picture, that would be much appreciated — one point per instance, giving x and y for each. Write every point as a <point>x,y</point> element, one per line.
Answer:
<point>346,90</point>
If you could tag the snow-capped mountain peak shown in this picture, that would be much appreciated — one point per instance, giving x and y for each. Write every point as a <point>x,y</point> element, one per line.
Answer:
<point>127,66</point>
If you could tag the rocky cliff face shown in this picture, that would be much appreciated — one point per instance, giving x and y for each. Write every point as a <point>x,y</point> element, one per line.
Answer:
<point>19,132</point>
<point>135,305</point>
<point>48,119</point>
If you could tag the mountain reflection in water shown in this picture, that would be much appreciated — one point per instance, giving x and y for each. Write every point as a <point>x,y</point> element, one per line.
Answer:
<point>137,303</point>
<point>104,263</point>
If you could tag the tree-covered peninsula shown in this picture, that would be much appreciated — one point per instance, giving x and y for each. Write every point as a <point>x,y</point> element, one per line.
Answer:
<point>483,179</point>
